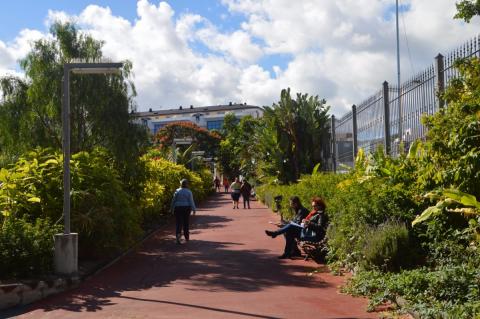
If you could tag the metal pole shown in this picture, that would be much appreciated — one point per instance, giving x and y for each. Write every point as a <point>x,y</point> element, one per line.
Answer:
<point>386,117</point>
<point>439,81</point>
<point>355,133</point>
<point>66,148</point>
<point>334,144</point>
<point>400,128</point>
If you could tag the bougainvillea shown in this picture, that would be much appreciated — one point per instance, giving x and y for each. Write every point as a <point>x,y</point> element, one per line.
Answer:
<point>202,138</point>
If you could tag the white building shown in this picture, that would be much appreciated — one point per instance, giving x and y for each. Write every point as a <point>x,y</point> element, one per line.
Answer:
<point>209,117</point>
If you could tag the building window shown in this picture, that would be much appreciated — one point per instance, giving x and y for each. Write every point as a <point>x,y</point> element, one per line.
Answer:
<point>214,125</point>
<point>156,127</point>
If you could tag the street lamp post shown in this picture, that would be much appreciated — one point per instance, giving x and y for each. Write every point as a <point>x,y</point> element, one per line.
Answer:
<point>66,244</point>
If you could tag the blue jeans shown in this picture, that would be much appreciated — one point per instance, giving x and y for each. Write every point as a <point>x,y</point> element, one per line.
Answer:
<point>291,233</point>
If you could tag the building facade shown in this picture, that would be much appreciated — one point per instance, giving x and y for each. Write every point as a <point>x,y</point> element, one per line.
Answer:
<point>209,117</point>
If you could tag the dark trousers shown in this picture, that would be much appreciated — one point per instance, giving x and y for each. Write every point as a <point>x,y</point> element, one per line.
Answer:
<point>291,233</point>
<point>246,200</point>
<point>182,220</point>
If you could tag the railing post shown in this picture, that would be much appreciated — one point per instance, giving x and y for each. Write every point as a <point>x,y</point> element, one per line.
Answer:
<point>334,144</point>
<point>439,81</point>
<point>386,110</point>
<point>355,139</point>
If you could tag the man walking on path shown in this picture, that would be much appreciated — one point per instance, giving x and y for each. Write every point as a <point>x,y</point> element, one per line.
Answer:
<point>228,273</point>
<point>182,206</point>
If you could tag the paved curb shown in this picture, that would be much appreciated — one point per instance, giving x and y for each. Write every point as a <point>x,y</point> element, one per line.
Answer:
<point>24,293</point>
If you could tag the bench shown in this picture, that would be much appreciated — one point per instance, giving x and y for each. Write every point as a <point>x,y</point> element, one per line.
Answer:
<point>315,250</point>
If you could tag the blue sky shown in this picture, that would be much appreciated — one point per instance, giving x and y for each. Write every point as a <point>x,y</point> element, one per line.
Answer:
<point>214,51</point>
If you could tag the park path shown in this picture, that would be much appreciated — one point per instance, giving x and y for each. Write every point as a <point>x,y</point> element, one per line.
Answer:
<point>228,269</point>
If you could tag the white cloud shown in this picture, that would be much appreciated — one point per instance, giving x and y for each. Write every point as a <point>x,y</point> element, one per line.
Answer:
<point>12,52</point>
<point>338,49</point>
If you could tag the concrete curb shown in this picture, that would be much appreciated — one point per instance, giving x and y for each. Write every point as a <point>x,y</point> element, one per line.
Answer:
<point>24,293</point>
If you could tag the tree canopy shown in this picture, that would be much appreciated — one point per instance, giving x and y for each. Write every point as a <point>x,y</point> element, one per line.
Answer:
<point>467,9</point>
<point>300,129</point>
<point>30,113</point>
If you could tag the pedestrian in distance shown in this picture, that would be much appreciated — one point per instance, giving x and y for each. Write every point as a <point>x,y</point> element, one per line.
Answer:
<point>235,192</point>
<point>182,206</point>
<point>216,184</point>
<point>226,184</point>
<point>246,191</point>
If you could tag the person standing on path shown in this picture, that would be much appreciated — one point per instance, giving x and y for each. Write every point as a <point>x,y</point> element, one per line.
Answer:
<point>235,192</point>
<point>182,205</point>
<point>246,190</point>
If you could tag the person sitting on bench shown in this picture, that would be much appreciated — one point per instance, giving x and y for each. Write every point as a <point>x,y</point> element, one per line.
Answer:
<point>291,231</point>
<point>316,223</point>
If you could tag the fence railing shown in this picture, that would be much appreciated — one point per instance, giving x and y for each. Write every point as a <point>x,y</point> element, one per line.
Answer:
<point>392,116</point>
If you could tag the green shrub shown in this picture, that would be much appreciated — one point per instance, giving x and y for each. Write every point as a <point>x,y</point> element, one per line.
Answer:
<point>26,249</point>
<point>445,292</point>
<point>163,178</point>
<point>387,247</point>
<point>101,210</point>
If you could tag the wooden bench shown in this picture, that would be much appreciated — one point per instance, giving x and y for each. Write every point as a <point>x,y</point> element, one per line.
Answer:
<point>315,250</point>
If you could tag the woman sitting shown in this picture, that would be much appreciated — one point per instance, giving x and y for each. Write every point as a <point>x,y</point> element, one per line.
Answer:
<point>312,228</point>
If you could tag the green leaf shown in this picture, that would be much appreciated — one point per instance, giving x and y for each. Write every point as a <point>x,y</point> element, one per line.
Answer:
<point>316,169</point>
<point>427,214</point>
<point>34,200</point>
<point>3,175</point>
<point>461,197</point>
<point>51,161</point>
<point>412,152</point>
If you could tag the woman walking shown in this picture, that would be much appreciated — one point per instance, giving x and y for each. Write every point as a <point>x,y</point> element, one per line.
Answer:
<point>235,192</point>
<point>182,206</point>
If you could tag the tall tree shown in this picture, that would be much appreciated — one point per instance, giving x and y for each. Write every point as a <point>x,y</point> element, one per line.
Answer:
<point>301,128</point>
<point>239,153</point>
<point>100,104</point>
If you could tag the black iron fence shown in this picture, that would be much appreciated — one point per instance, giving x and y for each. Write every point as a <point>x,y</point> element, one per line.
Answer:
<point>392,116</point>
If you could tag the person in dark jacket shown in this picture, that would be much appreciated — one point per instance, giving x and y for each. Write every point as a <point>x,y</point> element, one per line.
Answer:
<point>291,230</point>
<point>246,191</point>
<point>182,205</point>
<point>316,223</point>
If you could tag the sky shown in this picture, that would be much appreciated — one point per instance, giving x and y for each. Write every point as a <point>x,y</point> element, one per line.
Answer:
<point>209,52</point>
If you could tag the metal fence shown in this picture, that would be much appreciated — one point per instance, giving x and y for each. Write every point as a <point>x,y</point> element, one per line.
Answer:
<point>392,116</point>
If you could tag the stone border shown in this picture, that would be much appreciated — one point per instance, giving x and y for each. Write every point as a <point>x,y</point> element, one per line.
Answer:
<point>24,293</point>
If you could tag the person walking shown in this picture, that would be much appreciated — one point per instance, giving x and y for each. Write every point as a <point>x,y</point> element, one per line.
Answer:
<point>226,185</point>
<point>216,184</point>
<point>235,192</point>
<point>246,191</point>
<point>182,205</point>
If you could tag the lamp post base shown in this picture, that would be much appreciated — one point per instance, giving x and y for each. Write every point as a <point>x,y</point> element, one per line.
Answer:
<point>66,254</point>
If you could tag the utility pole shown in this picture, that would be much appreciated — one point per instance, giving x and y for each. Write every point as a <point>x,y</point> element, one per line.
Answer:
<point>400,129</point>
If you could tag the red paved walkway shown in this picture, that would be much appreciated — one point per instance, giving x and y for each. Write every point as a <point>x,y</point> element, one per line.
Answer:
<point>229,269</point>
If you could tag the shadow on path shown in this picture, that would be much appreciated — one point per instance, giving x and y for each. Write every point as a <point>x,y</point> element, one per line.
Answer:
<point>207,265</point>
